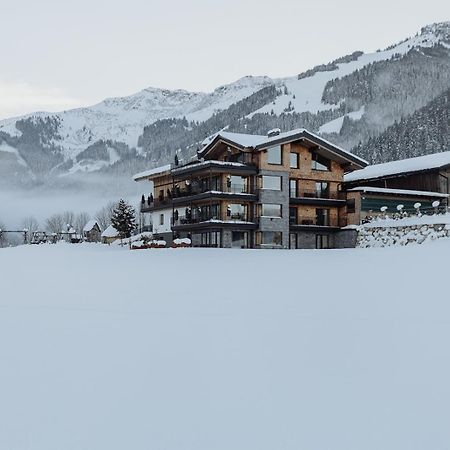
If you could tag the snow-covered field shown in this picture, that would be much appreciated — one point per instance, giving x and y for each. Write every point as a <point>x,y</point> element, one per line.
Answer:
<point>103,348</point>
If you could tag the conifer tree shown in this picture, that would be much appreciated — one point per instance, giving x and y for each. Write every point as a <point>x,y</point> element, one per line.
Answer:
<point>123,219</point>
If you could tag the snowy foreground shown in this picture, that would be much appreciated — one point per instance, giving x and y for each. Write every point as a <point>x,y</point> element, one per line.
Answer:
<point>103,349</point>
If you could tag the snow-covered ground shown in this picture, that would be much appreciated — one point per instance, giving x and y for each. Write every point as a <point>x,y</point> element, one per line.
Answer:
<point>105,348</point>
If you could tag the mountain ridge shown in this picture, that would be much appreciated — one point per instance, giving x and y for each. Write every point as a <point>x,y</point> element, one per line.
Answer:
<point>149,126</point>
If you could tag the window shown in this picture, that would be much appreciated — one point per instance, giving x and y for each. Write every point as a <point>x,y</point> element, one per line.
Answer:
<point>236,157</point>
<point>271,238</point>
<point>318,162</point>
<point>293,188</point>
<point>270,210</point>
<point>322,190</point>
<point>292,216</point>
<point>294,160</point>
<point>210,239</point>
<point>274,155</point>
<point>322,241</point>
<point>293,240</point>
<point>351,205</point>
<point>161,219</point>
<point>236,211</point>
<point>239,239</point>
<point>271,183</point>
<point>323,217</point>
<point>237,184</point>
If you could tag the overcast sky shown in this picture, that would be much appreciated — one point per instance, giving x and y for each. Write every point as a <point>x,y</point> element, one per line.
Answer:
<point>60,54</point>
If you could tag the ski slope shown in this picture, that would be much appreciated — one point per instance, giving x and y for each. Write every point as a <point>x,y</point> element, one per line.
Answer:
<point>197,349</point>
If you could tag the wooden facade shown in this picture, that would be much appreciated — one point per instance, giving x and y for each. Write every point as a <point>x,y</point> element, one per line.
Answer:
<point>242,195</point>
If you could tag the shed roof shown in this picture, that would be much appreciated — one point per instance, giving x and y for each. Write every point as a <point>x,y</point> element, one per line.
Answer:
<point>110,232</point>
<point>402,166</point>
<point>151,172</point>
<point>90,225</point>
<point>412,193</point>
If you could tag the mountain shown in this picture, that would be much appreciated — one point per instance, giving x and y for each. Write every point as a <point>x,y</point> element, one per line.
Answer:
<point>350,101</point>
<point>425,131</point>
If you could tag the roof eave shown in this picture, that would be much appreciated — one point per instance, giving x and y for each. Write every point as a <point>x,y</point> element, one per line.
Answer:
<point>318,141</point>
<point>398,174</point>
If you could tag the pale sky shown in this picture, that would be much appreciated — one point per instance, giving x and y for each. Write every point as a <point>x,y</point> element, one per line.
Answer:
<point>61,54</point>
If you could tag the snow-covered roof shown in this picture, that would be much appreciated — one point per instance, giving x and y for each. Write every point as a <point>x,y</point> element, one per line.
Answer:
<point>417,164</point>
<point>244,140</point>
<point>260,142</point>
<point>151,172</point>
<point>110,232</point>
<point>209,162</point>
<point>377,190</point>
<point>90,225</point>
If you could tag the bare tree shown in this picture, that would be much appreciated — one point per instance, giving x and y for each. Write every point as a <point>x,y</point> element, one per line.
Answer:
<point>31,225</point>
<point>104,215</point>
<point>56,223</point>
<point>3,239</point>
<point>69,219</point>
<point>81,219</point>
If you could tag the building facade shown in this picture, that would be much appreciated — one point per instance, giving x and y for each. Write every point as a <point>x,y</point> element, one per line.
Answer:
<point>283,190</point>
<point>407,182</point>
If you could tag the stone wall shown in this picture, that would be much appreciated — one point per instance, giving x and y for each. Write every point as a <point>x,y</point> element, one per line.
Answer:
<point>401,235</point>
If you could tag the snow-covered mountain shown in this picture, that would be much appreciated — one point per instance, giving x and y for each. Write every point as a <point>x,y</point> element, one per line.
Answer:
<point>350,100</point>
<point>122,119</point>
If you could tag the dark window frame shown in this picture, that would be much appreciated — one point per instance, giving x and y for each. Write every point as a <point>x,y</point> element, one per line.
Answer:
<point>319,159</point>
<point>276,147</point>
<point>297,162</point>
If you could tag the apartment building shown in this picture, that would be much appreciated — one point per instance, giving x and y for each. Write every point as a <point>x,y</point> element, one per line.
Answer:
<point>283,190</point>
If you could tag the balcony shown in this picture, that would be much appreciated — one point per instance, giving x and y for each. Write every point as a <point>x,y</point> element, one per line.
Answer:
<point>317,197</point>
<point>195,192</point>
<point>239,221</point>
<point>151,204</point>
<point>313,224</point>
<point>211,167</point>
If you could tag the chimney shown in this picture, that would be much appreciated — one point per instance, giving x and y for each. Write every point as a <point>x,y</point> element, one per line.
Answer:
<point>274,132</point>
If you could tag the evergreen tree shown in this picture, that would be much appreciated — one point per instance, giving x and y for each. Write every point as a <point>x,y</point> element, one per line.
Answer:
<point>123,219</point>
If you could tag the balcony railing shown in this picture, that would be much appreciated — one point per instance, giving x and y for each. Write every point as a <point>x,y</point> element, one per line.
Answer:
<point>321,222</point>
<point>186,220</point>
<point>326,194</point>
<point>155,203</point>
<point>227,188</point>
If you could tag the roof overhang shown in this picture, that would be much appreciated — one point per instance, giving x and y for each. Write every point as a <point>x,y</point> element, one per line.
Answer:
<point>324,146</point>
<point>327,148</point>
<point>396,175</point>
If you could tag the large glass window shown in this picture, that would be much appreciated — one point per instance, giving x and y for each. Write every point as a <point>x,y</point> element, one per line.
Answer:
<point>322,241</point>
<point>322,217</point>
<point>271,238</point>
<point>205,212</point>
<point>272,183</point>
<point>270,210</point>
<point>274,155</point>
<point>294,159</point>
<point>237,184</point>
<point>236,211</point>
<point>239,239</point>
<point>322,190</point>
<point>292,215</point>
<point>293,188</point>
<point>293,240</point>
<point>318,162</point>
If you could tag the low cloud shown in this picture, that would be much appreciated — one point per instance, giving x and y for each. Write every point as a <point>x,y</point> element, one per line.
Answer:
<point>18,98</point>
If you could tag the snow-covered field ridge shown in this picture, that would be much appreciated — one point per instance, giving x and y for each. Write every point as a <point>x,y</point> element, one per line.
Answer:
<point>198,349</point>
